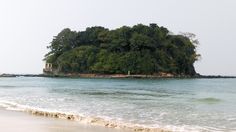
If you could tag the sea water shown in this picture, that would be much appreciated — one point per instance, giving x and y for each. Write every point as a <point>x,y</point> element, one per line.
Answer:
<point>170,104</point>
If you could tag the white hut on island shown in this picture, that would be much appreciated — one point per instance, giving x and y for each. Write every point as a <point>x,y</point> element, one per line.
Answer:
<point>48,68</point>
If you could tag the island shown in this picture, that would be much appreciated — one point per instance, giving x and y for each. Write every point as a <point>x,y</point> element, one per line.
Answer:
<point>139,50</point>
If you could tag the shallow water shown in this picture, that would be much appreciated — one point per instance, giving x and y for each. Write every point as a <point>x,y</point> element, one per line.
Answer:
<point>173,104</point>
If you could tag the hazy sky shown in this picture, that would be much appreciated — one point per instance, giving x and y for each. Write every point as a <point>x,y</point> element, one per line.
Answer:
<point>28,26</point>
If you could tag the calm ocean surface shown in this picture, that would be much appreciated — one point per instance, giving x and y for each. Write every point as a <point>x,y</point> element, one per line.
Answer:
<point>174,104</point>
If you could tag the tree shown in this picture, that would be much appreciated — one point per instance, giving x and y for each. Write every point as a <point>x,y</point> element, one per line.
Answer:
<point>139,49</point>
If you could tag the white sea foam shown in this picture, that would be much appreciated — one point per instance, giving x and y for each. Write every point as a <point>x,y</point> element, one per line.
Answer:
<point>75,117</point>
<point>96,120</point>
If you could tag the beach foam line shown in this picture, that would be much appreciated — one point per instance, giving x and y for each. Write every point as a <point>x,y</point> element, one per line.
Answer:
<point>98,121</point>
<point>75,117</point>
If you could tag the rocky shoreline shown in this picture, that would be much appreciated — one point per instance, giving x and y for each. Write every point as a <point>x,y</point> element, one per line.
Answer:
<point>154,76</point>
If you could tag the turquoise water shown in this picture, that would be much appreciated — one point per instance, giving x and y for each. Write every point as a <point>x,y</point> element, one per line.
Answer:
<point>173,104</point>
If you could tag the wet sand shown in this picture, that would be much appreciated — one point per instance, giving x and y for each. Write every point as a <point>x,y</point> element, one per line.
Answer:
<point>12,121</point>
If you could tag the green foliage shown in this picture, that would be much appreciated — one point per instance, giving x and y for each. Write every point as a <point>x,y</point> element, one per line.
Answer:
<point>139,49</point>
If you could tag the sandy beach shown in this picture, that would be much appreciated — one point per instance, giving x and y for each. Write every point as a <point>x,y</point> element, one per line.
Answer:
<point>12,121</point>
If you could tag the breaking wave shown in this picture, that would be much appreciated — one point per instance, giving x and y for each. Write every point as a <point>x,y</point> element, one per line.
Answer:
<point>99,121</point>
<point>76,117</point>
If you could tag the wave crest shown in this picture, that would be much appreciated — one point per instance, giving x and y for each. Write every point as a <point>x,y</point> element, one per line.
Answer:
<point>75,117</point>
<point>209,100</point>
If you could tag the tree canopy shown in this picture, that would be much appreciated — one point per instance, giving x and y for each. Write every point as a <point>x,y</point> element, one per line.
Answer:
<point>140,49</point>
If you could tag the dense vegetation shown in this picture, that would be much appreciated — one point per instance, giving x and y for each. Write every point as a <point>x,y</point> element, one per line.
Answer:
<point>139,49</point>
